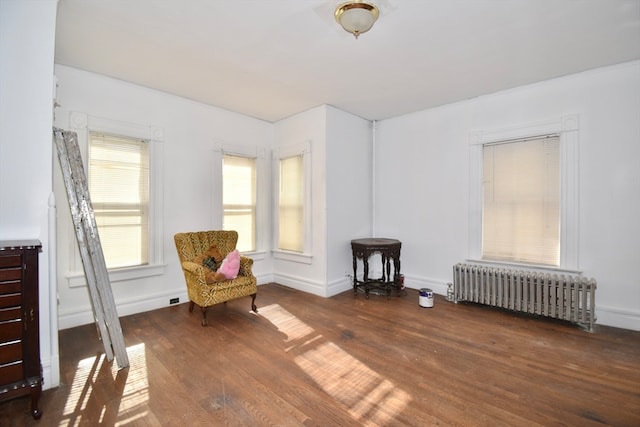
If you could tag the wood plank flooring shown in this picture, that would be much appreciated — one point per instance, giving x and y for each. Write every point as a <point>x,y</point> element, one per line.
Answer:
<point>344,361</point>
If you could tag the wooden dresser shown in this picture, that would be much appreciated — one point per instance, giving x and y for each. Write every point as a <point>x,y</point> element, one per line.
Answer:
<point>20,368</point>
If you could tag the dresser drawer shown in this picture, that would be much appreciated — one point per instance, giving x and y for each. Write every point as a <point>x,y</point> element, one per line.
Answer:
<point>10,352</point>
<point>7,274</point>
<point>11,372</point>
<point>14,260</point>
<point>10,330</point>
<point>10,300</point>
<point>13,287</point>
<point>12,313</point>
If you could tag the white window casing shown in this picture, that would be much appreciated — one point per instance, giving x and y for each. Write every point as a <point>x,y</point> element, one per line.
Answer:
<point>82,124</point>
<point>567,129</point>
<point>262,228</point>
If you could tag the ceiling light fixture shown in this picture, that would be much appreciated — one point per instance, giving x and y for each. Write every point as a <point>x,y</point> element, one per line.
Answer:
<point>357,17</point>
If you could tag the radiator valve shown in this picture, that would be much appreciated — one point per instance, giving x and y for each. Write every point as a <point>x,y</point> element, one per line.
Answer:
<point>450,292</point>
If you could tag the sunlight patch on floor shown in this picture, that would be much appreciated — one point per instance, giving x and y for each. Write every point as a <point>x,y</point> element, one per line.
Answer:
<point>123,393</point>
<point>286,322</point>
<point>368,396</point>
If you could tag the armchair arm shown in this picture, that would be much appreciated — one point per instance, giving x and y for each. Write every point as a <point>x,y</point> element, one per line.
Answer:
<point>193,268</point>
<point>195,274</point>
<point>245,266</point>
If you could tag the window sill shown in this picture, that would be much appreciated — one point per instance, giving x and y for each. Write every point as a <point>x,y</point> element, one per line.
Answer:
<point>293,256</point>
<point>255,255</point>
<point>526,267</point>
<point>78,280</point>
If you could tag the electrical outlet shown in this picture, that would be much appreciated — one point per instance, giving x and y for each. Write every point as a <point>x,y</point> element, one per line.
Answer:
<point>174,300</point>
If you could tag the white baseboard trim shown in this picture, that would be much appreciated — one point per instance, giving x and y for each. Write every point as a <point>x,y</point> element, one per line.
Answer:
<point>84,315</point>
<point>339,286</point>
<point>263,279</point>
<point>50,378</point>
<point>301,284</point>
<point>617,318</point>
<point>418,282</point>
<point>607,316</point>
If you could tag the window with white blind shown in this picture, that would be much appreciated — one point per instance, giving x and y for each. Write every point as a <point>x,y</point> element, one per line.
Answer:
<point>521,201</point>
<point>119,187</point>
<point>291,204</point>
<point>524,195</point>
<point>239,199</point>
<point>292,208</point>
<point>124,166</point>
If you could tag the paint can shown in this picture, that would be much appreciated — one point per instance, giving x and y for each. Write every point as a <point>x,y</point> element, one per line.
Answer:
<point>425,298</point>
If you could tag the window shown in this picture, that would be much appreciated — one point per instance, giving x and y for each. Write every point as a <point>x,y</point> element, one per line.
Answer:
<point>292,210</point>
<point>291,204</point>
<point>124,171</point>
<point>521,201</point>
<point>239,199</point>
<point>119,188</point>
<point>240,191</point>
<point>523,195</point>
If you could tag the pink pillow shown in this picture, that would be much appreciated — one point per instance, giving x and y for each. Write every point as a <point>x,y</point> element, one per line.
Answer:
<point>230,265</point>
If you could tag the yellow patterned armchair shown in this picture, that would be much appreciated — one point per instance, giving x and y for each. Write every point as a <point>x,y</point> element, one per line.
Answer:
<point>192,245</point>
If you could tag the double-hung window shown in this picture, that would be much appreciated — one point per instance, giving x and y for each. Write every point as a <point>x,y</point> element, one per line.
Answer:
<point>521,201</point>
<point>239,185</point>
<point>293,203</point>
<point>124,170</point>
<point>119,188</point>
<point>524,195</point>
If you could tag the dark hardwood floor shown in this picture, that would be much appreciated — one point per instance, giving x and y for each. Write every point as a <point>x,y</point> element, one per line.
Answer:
<point>344,361</point>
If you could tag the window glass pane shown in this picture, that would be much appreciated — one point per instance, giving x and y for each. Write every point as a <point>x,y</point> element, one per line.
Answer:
<point>521,201</point>
<point>239,199</point>
<point>119,191</point>
<point>291,200</point>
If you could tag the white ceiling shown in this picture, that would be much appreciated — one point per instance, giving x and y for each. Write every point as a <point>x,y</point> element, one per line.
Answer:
<point>270,59</point>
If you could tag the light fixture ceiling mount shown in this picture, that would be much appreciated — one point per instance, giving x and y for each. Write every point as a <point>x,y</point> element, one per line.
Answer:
<point>357,17</point>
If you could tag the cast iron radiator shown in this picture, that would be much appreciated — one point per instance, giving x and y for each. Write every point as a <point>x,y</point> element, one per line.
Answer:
<point>565,297</point>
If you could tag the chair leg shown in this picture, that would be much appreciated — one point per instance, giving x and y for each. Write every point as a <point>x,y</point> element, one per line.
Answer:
<point>191,304</point>
<point>204,315</point>
<point>253,303</point>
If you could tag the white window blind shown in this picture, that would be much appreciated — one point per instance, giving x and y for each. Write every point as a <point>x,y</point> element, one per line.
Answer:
<point>291,204</point>
<point>119,190</point>
<point>521,201</point>
<point>239,199</point>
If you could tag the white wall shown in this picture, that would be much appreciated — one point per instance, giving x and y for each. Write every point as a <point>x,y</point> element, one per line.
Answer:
<point>307,127</point>
<point>341,195</point>
<point>191,133</point>
<point>421,198</point>
<point>422,193</point>
<point>349,193</point>
<point>27,32</point>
